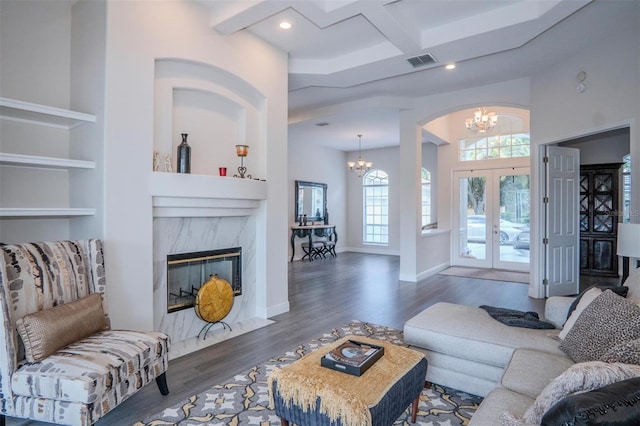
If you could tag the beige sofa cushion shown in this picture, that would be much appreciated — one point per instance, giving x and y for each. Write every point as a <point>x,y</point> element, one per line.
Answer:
<point>530,371</point>
<point>498,401</point>
<point>470,333</point>
<point>46,331</point>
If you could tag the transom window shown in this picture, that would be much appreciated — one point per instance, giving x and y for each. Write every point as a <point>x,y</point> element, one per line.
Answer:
<point>495,147</point>
<point>375,193</point>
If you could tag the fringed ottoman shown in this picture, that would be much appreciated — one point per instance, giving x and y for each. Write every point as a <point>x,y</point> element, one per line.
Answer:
<point>306,393</point>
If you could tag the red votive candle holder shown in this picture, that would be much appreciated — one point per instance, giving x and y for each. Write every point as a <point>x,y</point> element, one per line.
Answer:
<point>222,171</point>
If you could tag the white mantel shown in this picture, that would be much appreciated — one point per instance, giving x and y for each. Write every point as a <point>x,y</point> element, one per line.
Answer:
<point>190,195</point>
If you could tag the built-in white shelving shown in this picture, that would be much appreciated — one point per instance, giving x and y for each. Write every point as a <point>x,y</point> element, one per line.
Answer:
<point>45,212</point>
<point>27,112</point>
<point>43,115</point>
<point>44,162</point>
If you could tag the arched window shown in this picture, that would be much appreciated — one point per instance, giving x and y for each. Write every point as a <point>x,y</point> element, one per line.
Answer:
<point>375,196</point>
<point>426,197</point>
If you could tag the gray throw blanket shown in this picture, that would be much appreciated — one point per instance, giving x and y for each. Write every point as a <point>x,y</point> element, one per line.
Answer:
<point>515,318</point>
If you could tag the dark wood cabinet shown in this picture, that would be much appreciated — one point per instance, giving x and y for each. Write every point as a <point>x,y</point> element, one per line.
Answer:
<point>599,186</point>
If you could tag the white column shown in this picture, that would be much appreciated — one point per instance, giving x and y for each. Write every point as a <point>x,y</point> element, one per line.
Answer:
<point>410,195</point>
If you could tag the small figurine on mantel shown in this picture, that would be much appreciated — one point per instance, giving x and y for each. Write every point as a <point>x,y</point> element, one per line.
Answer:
<point>156,161</point>
<point>167,163</point>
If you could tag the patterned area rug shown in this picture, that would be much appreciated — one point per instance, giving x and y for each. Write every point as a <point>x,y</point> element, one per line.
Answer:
<point>243,399</point>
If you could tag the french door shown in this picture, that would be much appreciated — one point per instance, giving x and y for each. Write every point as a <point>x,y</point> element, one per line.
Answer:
<point>491,217</point>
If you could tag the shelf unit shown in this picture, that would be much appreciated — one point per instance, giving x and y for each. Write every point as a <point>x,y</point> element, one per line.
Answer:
<point>36,114</point>
<point>44,162</point>
<point>26,112</point>
<point>45,212</point>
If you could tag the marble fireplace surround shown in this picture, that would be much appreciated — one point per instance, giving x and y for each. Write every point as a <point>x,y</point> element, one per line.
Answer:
<point>196,213</point>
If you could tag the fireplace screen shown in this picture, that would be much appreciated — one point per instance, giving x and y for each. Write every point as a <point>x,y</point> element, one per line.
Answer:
<point>186,272</point>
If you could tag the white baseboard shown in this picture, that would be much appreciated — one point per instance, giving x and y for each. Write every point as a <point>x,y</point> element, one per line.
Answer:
<point>432,271</point>
<point>414,278</point>
<point>369,250</point>
<point>272,311</point>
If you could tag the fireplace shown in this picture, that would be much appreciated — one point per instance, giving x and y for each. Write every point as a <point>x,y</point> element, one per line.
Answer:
<point>186,272</point>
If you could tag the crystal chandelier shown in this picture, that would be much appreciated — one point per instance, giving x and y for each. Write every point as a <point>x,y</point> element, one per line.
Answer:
<point>360,165</point>
<point>482,121</point>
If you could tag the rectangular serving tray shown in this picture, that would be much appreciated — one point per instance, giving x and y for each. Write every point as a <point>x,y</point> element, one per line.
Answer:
<point>354,370</point>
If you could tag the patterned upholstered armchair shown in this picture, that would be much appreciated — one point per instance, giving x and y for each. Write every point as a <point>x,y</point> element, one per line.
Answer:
<point>59,360</point>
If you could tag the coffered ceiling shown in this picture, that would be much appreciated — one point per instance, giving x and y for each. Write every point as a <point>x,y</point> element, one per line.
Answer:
<point>348,58</point>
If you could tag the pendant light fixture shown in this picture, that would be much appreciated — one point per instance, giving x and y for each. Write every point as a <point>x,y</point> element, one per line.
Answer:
<point>360,166</point>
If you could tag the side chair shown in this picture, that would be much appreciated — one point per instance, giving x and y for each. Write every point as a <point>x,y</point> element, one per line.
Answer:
<point>60,361</point>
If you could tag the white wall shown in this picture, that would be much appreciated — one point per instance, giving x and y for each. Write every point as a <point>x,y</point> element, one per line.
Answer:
<point>388,160</point>
<point>558,113</point>
<point>137,34</point>
<point>430,162</point>
<point>36,51</point>
<point>341,182</point>
<point>35,67</point>
<point>611,100</point>
<point>323,165</point>
<point>88,34</point>
<point>601,148</point>
<point>422,255</point>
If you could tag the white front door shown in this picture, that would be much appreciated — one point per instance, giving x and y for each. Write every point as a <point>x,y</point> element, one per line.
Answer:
<point>562,232</point>
<point>492,218</point>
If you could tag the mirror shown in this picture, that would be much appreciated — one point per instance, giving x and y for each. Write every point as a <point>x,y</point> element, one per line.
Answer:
<point>311,199</point>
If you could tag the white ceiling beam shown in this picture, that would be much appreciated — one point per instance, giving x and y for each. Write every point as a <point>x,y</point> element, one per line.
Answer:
<point>343,62</point>
<point>405,38</point>
<point>394,102</point>
<point>501,18</point>
<point>229,17</point>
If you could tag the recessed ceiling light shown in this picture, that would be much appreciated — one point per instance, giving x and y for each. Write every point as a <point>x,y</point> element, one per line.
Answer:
<point>285,25</point>
<point>450,66</point>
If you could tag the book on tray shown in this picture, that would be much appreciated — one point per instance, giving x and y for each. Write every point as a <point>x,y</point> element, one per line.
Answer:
<point>352,357</point>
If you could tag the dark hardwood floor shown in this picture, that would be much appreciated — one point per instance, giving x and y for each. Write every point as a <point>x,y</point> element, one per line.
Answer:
<point>323,294</point>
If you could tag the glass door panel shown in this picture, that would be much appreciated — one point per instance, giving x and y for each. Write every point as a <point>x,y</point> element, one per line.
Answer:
<point>512,223</point>
<point>471,218</point>
<point>492,218</point>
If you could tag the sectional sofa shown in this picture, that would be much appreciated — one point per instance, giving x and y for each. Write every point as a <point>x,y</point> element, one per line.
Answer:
<point>524,372</point>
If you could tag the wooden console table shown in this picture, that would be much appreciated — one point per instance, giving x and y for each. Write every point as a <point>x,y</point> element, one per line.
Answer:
<point>327,231</point>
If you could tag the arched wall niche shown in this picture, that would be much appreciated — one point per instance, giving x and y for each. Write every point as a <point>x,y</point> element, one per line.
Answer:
<point>217,109</point>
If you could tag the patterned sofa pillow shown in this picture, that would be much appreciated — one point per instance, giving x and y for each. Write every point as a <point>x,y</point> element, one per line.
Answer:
<point>621,290</point>
<point>46,331</point>
<point>585,300</point>
<point>607,322</point>
<point>627,352</point>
